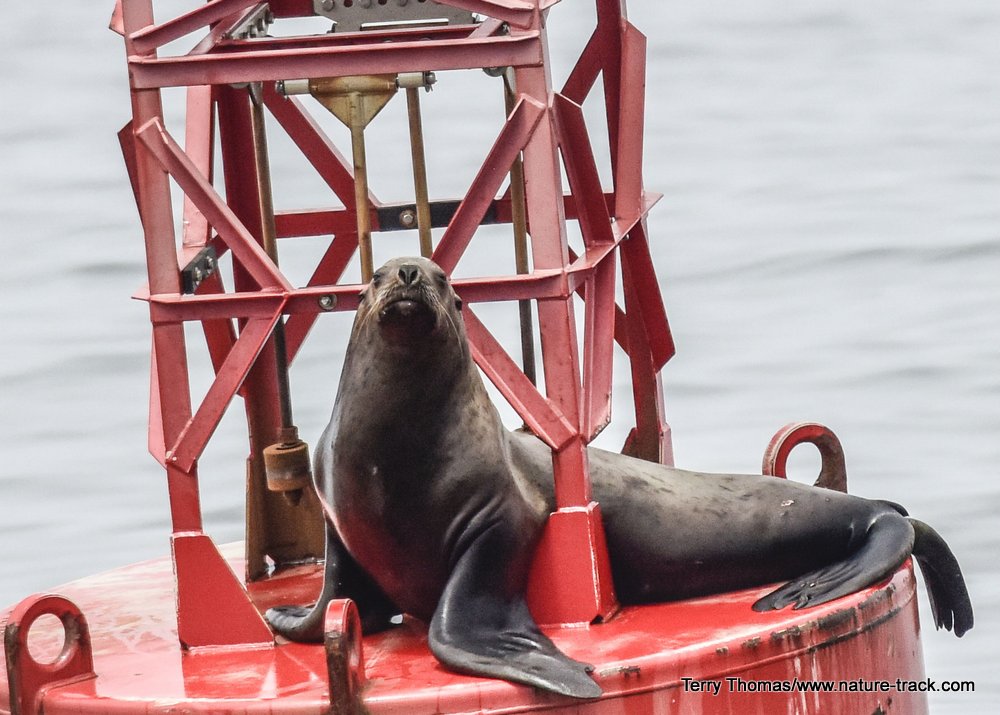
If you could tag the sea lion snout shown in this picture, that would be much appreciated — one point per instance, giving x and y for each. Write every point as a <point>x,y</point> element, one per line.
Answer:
<point>408,273</point>
<point>407,297</point>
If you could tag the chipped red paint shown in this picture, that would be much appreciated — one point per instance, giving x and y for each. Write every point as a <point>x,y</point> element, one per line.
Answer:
<point>641,656</point>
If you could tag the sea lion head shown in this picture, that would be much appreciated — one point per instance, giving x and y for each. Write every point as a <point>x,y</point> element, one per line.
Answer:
<point>410,303</point>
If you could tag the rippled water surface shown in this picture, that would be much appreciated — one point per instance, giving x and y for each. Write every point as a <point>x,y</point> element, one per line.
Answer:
<point>828,248</point>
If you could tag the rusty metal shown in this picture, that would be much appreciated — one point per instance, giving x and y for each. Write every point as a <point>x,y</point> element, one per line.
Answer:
<point>833,468</point>
<point>27,678</point>
<point>345,661</point>
<point>142,668</point>
<point>286,462</point>
<point>287,466</point>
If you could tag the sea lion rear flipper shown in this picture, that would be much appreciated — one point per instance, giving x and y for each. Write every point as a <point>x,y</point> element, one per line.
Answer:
<point>482,628</point>
<point>888,541</point>
<point>342,578</point>
<point>946,590</point>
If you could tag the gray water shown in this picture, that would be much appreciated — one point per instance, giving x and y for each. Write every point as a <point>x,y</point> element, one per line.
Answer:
<point>828,248</point>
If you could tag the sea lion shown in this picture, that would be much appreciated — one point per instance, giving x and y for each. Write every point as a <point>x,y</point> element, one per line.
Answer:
<point>434,508</point>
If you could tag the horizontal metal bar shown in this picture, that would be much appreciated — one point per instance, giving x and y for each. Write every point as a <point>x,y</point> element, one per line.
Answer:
<point>346,39</point>
<point>384,58</point>
<point>540,284</point>
<point>332,221</point>
<point>174,308</point>
<point>393,218</point>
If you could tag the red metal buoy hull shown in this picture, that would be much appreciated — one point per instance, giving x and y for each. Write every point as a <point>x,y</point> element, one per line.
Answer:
<point>710,655</point>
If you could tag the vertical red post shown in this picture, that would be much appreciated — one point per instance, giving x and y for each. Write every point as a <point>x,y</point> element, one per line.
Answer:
<point>197,563</point>
<point>562,589</point>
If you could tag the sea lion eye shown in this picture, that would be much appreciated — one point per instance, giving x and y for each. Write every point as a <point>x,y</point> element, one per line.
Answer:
<point>442,279</point>
<point>378,278</point>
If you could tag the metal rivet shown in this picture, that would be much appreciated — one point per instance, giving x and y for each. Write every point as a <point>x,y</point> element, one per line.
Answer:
<point>328,302</point>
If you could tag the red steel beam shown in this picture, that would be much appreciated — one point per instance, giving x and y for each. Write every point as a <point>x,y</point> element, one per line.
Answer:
<point>581,170</point>
<point>387,58</point>
<point>610,17</point>
<point>315,146</point>
<point>512,138</point>
<point>516,12</point>
<point>152,37</point>
<point>192,441</point>
<point>557,327</point>
<point>598,348</point>
<point>220,335</point>
<point>175,308</point>
<point>628,161</point>
<point>171,394</point>
<point>642,279</point>
<point>235,235</point>
<point>586,70</point>
<point>539,413</point>
<point>199,144</point>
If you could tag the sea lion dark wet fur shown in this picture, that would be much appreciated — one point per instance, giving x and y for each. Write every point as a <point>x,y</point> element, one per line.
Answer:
<point>434,509</point>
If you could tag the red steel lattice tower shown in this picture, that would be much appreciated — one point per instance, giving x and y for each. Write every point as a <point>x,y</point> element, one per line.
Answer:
<point>255,320</point>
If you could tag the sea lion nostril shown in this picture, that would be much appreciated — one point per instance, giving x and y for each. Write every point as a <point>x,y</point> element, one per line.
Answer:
<point>408,273</point>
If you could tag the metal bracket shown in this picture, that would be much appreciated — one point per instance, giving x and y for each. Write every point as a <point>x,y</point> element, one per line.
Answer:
<point>28,679</point>
<point>357,15</point>
<point>345,659</point>
<point>200,267</point>
<point>254,24</point>
<point>833,472</point>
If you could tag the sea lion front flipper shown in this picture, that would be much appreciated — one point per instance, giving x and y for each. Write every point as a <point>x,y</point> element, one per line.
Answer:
<point>483,627</point>
<point>342,578</point>
<point>888,541</point>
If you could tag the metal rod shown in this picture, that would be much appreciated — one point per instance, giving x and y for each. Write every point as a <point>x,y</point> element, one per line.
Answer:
<point>269,238</point>
<point>357,126</point>
<point>419,171</point>
<point>519,221</point>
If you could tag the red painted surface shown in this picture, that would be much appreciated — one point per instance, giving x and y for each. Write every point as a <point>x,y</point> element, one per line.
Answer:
<point>640,656</point>
<point>185,634</point>
<point>545,128</point>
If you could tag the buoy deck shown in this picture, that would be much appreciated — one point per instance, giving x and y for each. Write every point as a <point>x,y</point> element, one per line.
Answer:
<point>641,656</point>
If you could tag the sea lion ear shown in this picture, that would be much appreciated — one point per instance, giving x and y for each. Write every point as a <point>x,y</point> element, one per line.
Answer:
<point>458,303</point>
